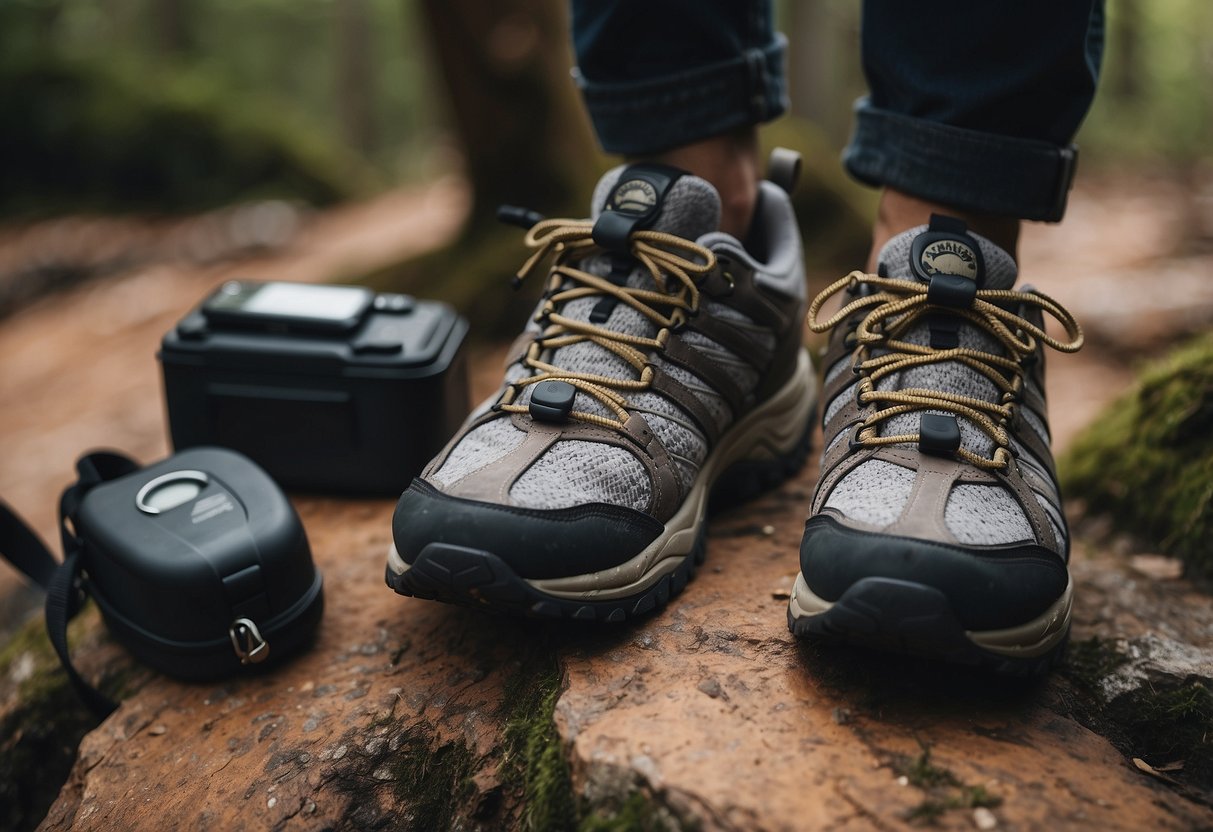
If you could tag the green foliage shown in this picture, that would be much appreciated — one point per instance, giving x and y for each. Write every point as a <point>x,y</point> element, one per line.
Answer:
<point>1153,100</point>
<point>86,136</point>
<point>289,53</point>
<point>1147,462</point>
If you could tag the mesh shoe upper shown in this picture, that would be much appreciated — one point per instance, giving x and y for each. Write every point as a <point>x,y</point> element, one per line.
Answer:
<point>935,423</point>
<point>725,350</point>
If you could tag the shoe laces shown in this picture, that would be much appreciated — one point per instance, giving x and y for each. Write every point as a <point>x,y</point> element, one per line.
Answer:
<point>674,263</point>
<point>893,307</point>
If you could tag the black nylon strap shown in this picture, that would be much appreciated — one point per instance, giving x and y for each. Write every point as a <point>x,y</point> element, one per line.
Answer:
<point>64,594</point>
<point>63,599</point>
<point>24,549</point>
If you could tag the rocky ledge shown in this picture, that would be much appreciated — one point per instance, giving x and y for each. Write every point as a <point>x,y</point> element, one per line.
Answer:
<point>410,714</point>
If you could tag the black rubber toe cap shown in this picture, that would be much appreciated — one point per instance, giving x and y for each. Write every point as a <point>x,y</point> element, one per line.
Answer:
<point>534,543</point>
<point>989,588</point>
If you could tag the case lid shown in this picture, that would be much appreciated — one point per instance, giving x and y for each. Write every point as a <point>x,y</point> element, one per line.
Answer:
<point>401,338</point>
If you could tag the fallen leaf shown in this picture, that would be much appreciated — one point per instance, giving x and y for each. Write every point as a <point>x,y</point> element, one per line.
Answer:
<point>1142,765</point>
<point>1178,765</point>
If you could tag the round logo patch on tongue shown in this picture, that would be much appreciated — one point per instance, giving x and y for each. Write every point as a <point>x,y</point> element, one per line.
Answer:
<point>634,197</point>
<point>949,257</point>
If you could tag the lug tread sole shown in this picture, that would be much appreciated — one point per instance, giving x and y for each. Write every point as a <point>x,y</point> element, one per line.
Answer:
<point>906,617</point>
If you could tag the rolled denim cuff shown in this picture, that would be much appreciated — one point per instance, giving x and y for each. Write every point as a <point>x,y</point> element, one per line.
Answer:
<point>968,169</point>
<point>635,119</point>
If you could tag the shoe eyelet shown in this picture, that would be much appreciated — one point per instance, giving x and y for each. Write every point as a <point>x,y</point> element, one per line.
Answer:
<point>730,283</point>
<point>854,444</point>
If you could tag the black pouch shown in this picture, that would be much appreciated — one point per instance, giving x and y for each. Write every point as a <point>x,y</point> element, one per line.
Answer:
<point>199,564</point>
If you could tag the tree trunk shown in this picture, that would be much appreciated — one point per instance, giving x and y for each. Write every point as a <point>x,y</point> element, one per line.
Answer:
<point>505,66</point>
<point>355,74</point>
<point>172,26</point>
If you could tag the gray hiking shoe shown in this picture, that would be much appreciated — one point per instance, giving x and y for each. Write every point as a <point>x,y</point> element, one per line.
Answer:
<point>664,359</point>
<point>937,526</point>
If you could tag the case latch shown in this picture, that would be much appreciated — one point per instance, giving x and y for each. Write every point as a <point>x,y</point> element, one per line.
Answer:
<point>247,641</point>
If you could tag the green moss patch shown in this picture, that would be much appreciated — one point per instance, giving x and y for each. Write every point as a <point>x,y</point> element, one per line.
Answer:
<point>1147,462</point>
<point>942,790</point>
<point>537,766</point>
<point>433,780</point>
<point>535,761</point>
<point>636,813</point>
<point>40,733</point>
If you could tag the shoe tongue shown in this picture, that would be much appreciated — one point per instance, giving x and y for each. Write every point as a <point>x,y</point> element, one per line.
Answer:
<point>946,246</point>
<point>657,197</point>
<point>664,199</point>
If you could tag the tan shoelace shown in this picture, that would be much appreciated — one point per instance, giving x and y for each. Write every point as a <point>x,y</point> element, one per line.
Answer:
<point>894,307</point>
<point>664,255</point>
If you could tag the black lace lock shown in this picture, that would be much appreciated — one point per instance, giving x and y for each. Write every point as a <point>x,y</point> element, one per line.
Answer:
<point>938,434</point>
<point>552,401</point>
<point>951,290</point>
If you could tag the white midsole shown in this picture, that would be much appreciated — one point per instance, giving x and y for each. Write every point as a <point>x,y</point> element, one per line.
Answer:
<point>1035,638</point>
<point>769,432</point>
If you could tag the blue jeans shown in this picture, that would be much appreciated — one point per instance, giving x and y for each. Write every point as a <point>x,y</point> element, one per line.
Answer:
<point>971,104</point>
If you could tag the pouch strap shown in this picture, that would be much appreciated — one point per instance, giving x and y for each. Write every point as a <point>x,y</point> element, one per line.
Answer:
<point>65,592</point>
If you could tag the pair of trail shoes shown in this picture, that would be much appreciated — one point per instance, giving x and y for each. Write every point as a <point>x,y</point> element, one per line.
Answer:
<point>663,375</point>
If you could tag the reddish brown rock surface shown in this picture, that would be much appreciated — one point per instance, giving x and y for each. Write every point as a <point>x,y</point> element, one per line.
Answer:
<point>409,714</point>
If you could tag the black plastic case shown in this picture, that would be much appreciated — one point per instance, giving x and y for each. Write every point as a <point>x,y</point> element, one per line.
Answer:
<point>358,412</point>
<point>223,580</point>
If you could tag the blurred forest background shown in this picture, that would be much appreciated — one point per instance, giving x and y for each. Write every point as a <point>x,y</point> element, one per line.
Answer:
<point>176,105</point>
<point>155,108</point>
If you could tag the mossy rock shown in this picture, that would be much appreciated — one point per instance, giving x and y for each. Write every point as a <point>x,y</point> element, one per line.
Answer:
<point>1153,699</point>
<point>1147,461</point>
<point>85,136</point>
<point>42,720</point>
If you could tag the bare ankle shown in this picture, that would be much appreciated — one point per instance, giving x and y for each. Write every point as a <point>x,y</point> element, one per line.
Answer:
<point>900,212</point>
<point>730,163</point>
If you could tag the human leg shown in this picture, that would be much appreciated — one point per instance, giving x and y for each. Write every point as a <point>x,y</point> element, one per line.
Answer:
<point>937,527</point>
<point>664,359</point>
<point>685,84</point>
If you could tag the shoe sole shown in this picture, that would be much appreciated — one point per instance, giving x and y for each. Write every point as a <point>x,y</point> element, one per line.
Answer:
<point>765,448</point>
<point>908,617</point>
